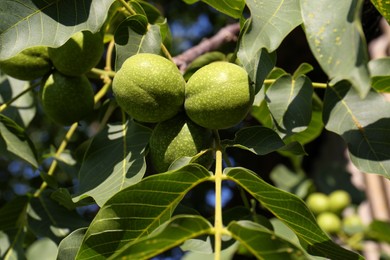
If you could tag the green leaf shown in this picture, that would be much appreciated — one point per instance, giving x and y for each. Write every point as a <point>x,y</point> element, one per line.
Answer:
<point>134,36</point>
<point>380,74</point>
<point>30,23</point>
<point>293,182</point>
<point>364,125</point>
<point>136,211</point>
<point>379,230</point>
<point>315,127</point>
<point>289,101</point>
<point>175,232</point>
<point>232,8</point>
<point>271,22</point>
<point>303,69</point>
<point>262,140</point>
<point>46,218</point>
<point>333,30</point>
<point>13,224</point>
<point>383,7</point>
<point>67,249</point>
<point>14,140</point>
<point>114,161</point>
<point>43,248</point>
<point>258,66</point>
<point>258,140</point>
<point>263,243</point>
<point>292,211</point>
<point>23,109</point>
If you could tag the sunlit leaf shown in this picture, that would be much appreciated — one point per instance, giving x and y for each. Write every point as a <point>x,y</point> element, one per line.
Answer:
<point>303,69</point>
<point>383,7</point>
<point>134,36</point>
<point>232,8</point>
<point>289,101</point>
<point>136,211</point>
<point>263,243</point>
<point>43,248</point>
<point>175,232</point>
<point>271,22</point>
<point>38,22</point>
<point>380,73</point>
<point>67,249</point>
<point>114,161</point>
<point>14,140</point>
<point>364,125</point>
<point>292,211</point>
<point>333,30</point>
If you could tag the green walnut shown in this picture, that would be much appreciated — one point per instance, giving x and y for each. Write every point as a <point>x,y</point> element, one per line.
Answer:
<point>339,200</point>
<point>329,222</point>
<point>218,95</point>
<point>79,54</point>
<point>317,202</point>
<point>178,137</point>
<point>32,63</point>
<point>149,88</point>
<point>66,99</point>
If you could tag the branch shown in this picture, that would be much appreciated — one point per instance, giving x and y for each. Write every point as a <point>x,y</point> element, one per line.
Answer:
<point>228,33</point>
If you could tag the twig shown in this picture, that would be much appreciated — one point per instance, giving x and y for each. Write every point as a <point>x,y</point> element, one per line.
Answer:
<point>226,34</point>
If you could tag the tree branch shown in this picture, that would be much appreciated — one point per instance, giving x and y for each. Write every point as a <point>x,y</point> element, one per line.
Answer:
<point>228,33</point>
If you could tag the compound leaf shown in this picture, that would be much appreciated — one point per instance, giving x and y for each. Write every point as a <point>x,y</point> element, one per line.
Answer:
<point>136,211</point>
<point>178,230</point>
<point>292,211</point>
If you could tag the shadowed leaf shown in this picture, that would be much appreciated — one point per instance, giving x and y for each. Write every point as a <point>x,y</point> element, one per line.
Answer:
<point>114,161</point>
<point>364,125</point>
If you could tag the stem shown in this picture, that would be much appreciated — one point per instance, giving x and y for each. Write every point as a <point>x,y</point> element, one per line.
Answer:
<point>218,223</point>
<point>9,102</point>
<point>103,73</point>
<point>166,52</point>
<point>60,149</point>
<point>127,7</point>
<point>315,84</point>
<point>110,50</point>
<point>102,91</point>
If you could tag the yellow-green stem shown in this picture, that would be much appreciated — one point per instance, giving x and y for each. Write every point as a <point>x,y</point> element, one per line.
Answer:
<point>127,6</point>
<point>103,73</point>
<point>9,102</point>
<point>102,91</point>
<point>60,150</point>
<point>315,84</point>
<point>218,222</point>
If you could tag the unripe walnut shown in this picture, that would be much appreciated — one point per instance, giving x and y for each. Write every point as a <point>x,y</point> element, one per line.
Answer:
<point>149,88</point>
<point>218,95</point>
